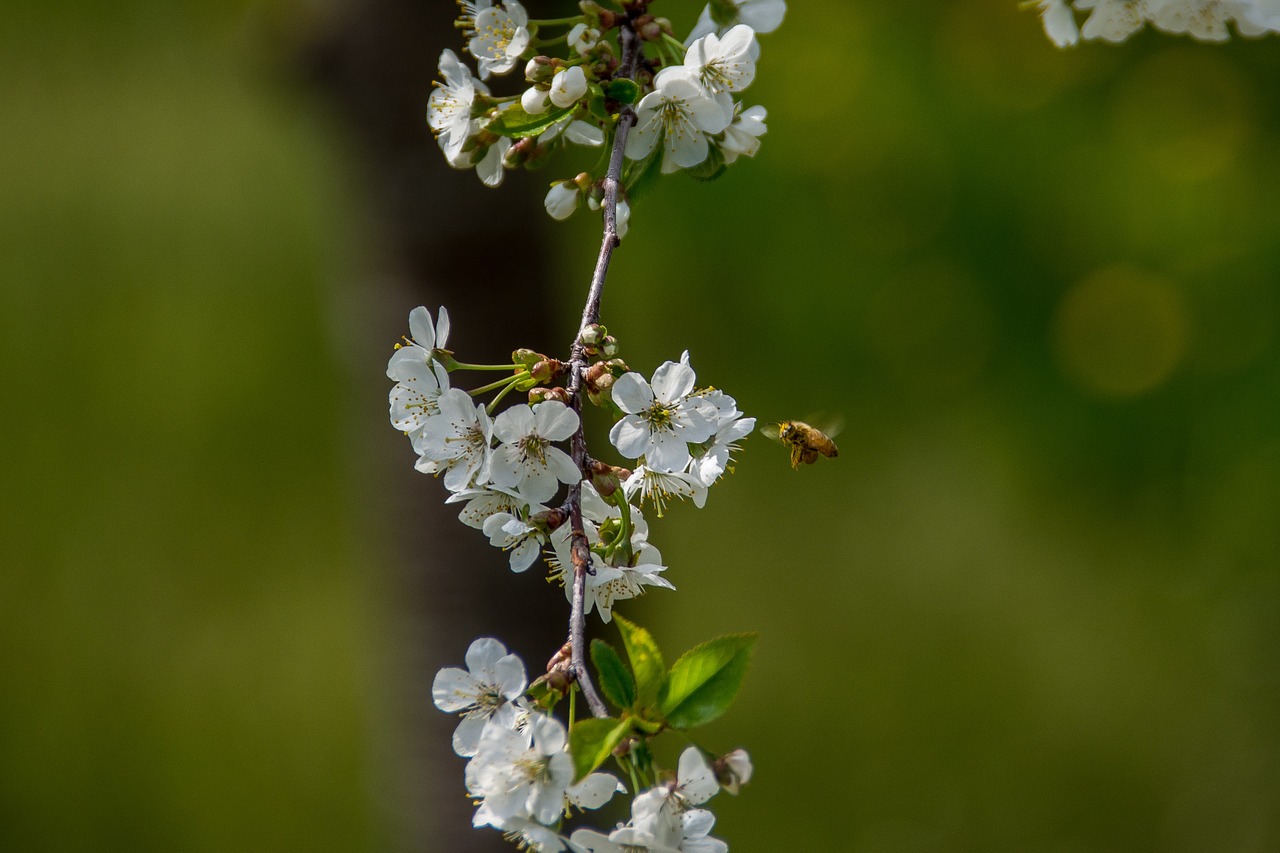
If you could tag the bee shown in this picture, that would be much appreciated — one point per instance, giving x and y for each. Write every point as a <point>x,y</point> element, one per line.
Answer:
<point>805,441</point>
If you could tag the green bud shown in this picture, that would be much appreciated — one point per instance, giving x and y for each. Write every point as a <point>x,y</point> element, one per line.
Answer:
<point>609,346</point>
<point>592,335</point>
<point>527,357</point>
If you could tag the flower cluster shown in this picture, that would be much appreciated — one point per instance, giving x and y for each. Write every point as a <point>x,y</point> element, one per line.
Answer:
<point>682,94</point>
<point>1116,20</point>
<point>524,778</point>
<point>506,468</point>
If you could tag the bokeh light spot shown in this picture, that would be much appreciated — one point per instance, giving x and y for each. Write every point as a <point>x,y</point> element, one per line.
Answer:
<point>1121,331</point>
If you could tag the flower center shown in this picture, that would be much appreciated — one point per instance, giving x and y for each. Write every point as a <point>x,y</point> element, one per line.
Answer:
<point>659,417</point>
<point>534,447</point>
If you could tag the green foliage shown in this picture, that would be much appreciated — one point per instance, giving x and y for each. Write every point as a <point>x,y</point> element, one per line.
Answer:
<point>623,91</point>
<point>592,741</point>
<point>704,681</point>
<point>646,661</point>
<point>516,123</point>
<point>615,680</point>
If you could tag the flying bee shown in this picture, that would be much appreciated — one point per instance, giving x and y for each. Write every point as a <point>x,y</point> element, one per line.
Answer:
<point>805,441</point>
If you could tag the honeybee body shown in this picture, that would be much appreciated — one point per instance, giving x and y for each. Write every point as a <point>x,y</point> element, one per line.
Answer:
<point>806,442</point>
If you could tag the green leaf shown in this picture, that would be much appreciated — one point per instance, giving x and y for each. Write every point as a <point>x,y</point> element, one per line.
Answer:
<point>622,90</point>
<point>646,661</point>
<point>640,177</point>
<point>592,741</point>
<point>616,682</point>
<point>704,680</point>
<point>516,123</point>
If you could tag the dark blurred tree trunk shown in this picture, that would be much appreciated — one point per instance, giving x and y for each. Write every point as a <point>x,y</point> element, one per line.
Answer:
<point>435,236</point>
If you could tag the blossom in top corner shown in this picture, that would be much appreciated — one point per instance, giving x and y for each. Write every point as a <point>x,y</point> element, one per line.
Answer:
<point>501,35</point>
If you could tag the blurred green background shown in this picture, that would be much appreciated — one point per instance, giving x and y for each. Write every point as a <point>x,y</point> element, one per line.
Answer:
<point>1033,606</point>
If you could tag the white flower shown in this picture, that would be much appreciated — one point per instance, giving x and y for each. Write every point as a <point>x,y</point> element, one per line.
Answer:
<point>562,200</point>
<point>500,37</point>
<point>680,113</point>
<point>490,166</point>
<point>659,810</point>
<point>695,829</point>
<point>568,86</point>
<point>661,419</point>
<point>710,463</point>
<point>625,839</point>
<point>725,64</point>
<point>420,378</point>
<point>527,835</point>
<point>449,108</point>
<point>488,686</point>
<point>534,100</point>
<point>526,460</point>
<point>734,770</point>
<point>1201,19</point>
<point>763,16</point>
<point>583,39</point>
<point>742,138</point>
<point>594,791</point>
<point>574,130</point>
<point>659,487</point>
<point>487,501</point>
<point>520,774</point>
<point>611,584</point>
<point>1059,22</point>
<point>1258,17</point>
<point>456,442</point>
<point>1112,20</point>
<point>511,533</point>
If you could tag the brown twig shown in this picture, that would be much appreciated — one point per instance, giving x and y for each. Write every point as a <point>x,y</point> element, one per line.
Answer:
<point>579,546</point>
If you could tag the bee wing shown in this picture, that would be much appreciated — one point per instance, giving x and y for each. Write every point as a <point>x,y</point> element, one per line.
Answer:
<point>772,431</point>
<point>826,423</point>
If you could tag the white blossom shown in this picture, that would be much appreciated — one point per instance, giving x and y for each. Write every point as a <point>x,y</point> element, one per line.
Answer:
<point>1112,20</point>
<point>661,418</point>
<point>680,113</point>
<point>622,215</point>
<point>1059,22</point>
<point>568,86</point>
<point>695,829</point>
<point>742,138</point>
<point>492,680</point>
<point>457,442</point>
<point>583,39</point>
<point>449,107</point>
<point>420,378</point>
<point>527,461</point>
<point>734,770</point>
<point>723,65</point>
<point>562,200</point>
<point>659,810</point>
<point>485,501</point>
<point>711,461</point>
<point>763,16</point>
<point>500,37</point>
<point>573,130</point>
<point>490,167</point>
<point>657,488</point>
<point>512,533</point>
<point>520,774</point>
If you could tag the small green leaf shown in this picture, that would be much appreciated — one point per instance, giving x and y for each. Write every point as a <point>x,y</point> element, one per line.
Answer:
<point>622,90</point>
<point>704,680</point>
<point>592,741</point>
<point>543,694</point>
<point>616,682</point>
<point>646,661</point>
<point>516,123</point>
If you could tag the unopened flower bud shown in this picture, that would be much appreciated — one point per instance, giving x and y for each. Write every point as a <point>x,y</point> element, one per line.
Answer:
<point>561,200</point>
<point>733,770</point>
<point>550,519</point>
<point>546,370</point>
<point>605,478</point>
<point>609,346</point>
<point>648,28</point>
<point>592,335</point>
<point>543,395</point>
<point>527,357</point>
<point>539,70</point>
<point>534,100</point>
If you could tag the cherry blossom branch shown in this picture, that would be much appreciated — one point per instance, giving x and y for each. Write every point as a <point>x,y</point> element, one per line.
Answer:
<point>580,548</point>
